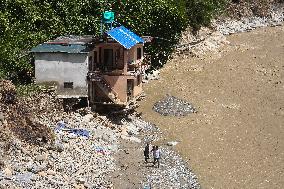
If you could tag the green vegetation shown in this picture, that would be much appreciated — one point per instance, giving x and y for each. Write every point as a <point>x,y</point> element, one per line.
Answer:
<point>201,12</point>
<point>26,23</point>
<point>27,89</point>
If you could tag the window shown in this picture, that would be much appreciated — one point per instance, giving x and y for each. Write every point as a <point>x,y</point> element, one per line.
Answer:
<point>139,53</point>
<point>68,85</point>
<point>108,58</point>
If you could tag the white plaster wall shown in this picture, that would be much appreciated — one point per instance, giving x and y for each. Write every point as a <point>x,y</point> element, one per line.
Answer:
<point>61,67</point>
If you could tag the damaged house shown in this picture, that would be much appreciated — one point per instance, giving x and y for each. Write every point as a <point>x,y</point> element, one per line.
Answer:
<point>105,70</point>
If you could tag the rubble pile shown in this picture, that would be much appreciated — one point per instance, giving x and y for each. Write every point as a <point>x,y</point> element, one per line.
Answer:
<point>41,146</point>
<point>72,160</point>
<point>79,154</point>
<point>172,106</point>
<point>36,153</point>
<point>19,114</point>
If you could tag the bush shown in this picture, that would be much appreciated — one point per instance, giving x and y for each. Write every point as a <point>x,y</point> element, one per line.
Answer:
<point>201,12</point>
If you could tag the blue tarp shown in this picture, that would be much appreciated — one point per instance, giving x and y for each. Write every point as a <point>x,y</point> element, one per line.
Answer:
<point>78,132</point>
<point>125,37</point>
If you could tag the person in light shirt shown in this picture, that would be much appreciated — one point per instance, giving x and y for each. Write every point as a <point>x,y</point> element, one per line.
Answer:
<point>156,155</point>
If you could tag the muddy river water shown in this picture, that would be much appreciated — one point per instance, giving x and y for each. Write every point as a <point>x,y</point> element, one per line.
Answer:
<point>236,139</point>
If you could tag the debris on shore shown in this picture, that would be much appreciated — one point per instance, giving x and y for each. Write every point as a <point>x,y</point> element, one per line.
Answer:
<point>172,106</point>
<point>41,146</point>
<point>213,38</point>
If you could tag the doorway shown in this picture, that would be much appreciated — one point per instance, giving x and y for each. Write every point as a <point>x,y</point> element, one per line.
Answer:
<point>130,88</point>
<point>108,58</point>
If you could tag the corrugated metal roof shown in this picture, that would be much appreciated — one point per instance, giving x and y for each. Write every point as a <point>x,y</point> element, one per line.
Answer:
<point>68,48</point>
<point>125,37</point>
<point>73,39</point>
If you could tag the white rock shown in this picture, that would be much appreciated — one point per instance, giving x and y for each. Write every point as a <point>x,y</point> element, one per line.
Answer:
<point>51,172</point>
<point>8,172</point>
<point>42,157</point>
<point>131,138</point>
<point>172,143</point>
<point>88,117</point>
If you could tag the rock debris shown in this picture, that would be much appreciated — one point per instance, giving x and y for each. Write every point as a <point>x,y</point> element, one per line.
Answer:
<point>58,158</point>
<point>172,106</point>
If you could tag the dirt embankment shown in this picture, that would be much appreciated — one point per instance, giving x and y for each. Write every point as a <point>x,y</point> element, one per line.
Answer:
<point>236,138</point>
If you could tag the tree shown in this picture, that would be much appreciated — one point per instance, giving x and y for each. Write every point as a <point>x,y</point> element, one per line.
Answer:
<point>26,23</point>
<point>201,12</point>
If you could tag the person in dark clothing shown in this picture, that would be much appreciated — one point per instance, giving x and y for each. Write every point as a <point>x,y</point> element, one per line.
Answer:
<point>147,152</point>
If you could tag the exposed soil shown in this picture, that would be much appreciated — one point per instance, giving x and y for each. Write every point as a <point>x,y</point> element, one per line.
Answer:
<point>235,140</point>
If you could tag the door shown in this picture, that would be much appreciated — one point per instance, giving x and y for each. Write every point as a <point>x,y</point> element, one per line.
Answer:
<point>95,62</point>
<point>130,88</point>
<point>108,58</point>
<point>91,63</point>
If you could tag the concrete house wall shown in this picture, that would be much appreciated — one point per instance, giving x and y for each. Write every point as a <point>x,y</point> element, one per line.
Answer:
<point>119,85</point>
<point>63,67</point>
<point>118,82</point>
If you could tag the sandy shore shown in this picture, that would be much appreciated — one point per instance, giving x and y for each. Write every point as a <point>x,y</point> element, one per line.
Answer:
<point>236,138</point>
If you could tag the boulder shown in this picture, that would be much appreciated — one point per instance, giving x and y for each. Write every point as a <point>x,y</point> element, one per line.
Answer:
<point>42,157</point>
<point>88,118</point>
<point>8,172</point>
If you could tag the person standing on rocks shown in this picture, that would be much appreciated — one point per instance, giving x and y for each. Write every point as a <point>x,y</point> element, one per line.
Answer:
<point>156,155</point>
<point>146,152</point>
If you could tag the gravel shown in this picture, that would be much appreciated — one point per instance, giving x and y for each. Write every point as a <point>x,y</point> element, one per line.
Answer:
<point>230,26</point>
<point>173,173</point>
<point>81,162</point>
<point>172,106</point>
<point>210,40</point>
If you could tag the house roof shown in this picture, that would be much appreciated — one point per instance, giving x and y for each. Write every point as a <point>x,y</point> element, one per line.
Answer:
<point>72,39</point>
<point>63,48</point>
<point>66,44</point>
<point>125,37</point>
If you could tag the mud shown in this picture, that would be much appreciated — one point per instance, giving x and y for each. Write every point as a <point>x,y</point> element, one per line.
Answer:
<point>236,138</point>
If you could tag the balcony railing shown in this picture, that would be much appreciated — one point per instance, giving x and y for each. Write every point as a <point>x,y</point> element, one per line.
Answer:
<point>95,76</point>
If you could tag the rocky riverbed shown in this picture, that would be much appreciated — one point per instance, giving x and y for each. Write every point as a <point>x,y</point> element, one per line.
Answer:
<point>85,150</point>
